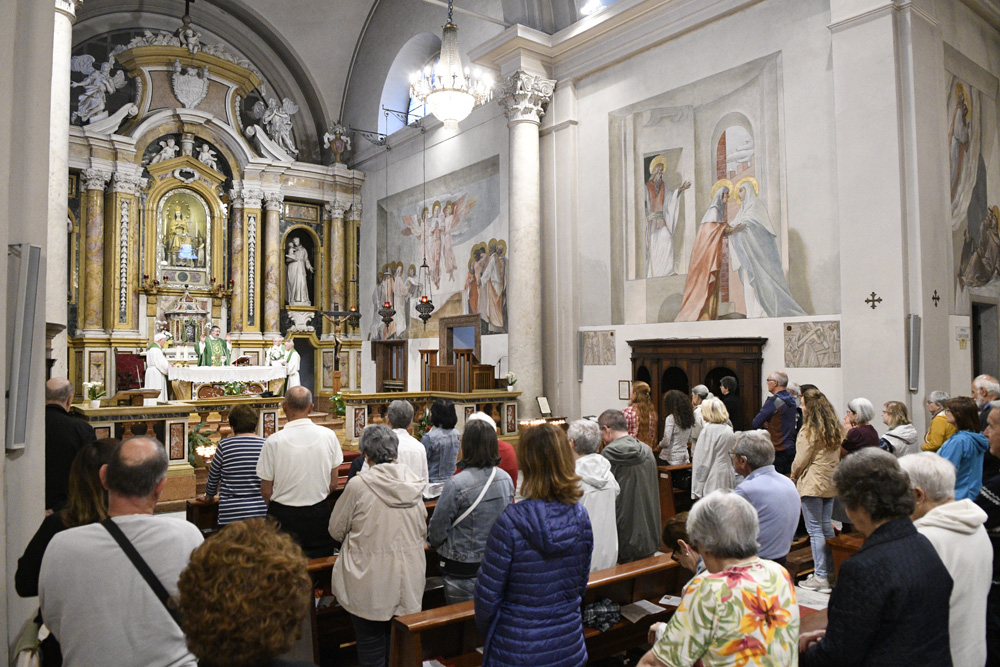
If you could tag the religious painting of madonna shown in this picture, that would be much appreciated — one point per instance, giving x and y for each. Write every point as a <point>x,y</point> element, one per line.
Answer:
<point>182,237</point>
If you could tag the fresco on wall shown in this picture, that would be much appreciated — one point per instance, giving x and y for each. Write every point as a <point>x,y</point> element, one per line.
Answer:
<point>458,228</point>
<point>975,216</point>
<point>599,348</point>
<point>699,230</point>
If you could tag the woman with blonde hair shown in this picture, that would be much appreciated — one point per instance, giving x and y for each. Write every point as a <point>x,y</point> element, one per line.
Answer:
<point>901,438</point>
<point>640,415</point>
<point>817,453</point>
<point>537,562</point>
<point>712,467</point>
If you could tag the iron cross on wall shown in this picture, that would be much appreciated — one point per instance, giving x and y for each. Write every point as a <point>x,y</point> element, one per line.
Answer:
<point>873,301</point>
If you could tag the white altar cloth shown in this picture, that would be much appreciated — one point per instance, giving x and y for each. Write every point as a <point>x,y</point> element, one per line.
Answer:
<point>212,374</point>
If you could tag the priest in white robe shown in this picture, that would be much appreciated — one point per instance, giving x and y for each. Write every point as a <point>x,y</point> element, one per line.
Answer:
<point>156,369</point>
<point>292,362</point>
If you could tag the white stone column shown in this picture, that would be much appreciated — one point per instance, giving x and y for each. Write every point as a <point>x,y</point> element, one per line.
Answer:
<point>57,250</point>
<point>523,97</point>
<point>272,265</point>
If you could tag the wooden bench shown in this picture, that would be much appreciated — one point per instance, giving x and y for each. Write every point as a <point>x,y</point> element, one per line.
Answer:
<point>449,633</point>
<point>672,499</point>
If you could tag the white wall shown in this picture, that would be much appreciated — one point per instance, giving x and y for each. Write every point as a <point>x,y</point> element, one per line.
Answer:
<point>26,28</point>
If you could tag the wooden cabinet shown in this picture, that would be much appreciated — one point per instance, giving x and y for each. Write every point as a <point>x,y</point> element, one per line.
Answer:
<point>683,363</point>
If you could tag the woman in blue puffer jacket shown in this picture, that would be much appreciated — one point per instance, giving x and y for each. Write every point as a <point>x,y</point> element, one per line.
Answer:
<point>537,562</point>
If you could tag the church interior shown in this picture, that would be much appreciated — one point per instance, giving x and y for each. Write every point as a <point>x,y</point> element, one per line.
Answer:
<point>611,191</point>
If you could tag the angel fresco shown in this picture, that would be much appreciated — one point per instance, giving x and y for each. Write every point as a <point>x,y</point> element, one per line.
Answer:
<point>434,228</point>
<point>97,85</point>
<point>278,121</point>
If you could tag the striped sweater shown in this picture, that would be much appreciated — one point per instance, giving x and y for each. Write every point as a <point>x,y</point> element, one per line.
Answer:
<point>233,475</point>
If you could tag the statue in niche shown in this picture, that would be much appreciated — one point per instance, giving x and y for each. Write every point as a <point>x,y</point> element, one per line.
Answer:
<point>184,219</point>
<point>168,151</point>
<point>278,122</point>
<point>207,157</point>
<point>98,84</point>
<point>297,266</point>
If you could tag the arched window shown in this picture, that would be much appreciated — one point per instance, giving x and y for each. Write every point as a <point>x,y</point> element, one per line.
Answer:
<point>418,52</point>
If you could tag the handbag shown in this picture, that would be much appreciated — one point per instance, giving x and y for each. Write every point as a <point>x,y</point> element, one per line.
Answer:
<point>142,566</point>
<point>27,652</point>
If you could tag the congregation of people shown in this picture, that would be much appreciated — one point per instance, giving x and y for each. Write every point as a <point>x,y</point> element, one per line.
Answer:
<point>518,532</point>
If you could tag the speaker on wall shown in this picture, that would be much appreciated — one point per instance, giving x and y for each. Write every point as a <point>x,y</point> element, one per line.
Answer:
<point>913,350</point>
<point>23,265</point>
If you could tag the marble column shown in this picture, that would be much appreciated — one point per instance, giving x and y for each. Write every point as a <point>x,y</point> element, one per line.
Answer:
<point>237,261</point>
<point>120,295</point>
<point>351,286</point>
<point>57,246</point>
<point>94,182</point>
<point>272,263</point>
<point>523,97</point>
<point>336,259</point>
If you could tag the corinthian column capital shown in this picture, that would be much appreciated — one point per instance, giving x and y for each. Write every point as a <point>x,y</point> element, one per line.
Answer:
<point>128,184</point>
<point>273,200</point>
<point>524,96</point>
<point>95,179</point>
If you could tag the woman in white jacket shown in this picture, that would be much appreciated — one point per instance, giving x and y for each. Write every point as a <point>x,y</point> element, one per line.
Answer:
<point>955,528</point>
<point>600,490</point>
<point>712,467</point>
<point>901,435</point>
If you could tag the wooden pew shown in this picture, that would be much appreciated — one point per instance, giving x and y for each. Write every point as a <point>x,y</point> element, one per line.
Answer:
<point>450,632</point>
<point>672,499</point>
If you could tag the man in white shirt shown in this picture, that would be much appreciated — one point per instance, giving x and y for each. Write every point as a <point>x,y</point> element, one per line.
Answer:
<point>298,470</point>
<point>292,362</point>
<point>600,491</point>
<point>955,528</point>
<point>410,451</point>
<point>157,367</point>
<point>93,598</point>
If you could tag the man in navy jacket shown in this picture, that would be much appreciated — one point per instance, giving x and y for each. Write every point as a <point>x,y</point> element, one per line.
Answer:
<point>777,417</point>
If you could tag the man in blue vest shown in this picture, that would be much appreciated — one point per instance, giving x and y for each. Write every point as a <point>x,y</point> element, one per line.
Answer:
<point>777,417</point>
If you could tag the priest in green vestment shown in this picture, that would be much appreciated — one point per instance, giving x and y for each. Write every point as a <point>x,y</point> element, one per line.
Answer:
<point>213,351</point>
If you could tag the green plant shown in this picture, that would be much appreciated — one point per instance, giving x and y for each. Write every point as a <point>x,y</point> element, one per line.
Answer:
<point>422,424</point>
<point>95,390</point>
<point>339,405</point>
<point>234,388</point>
<point>201,447</point>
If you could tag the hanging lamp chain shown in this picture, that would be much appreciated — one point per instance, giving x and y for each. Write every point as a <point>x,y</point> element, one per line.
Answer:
<point>450,8</point>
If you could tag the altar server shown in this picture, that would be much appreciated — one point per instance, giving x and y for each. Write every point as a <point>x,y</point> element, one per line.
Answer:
<point>292,361</point>
<point>214,351</point>
<point>156,368</point>
<point>276,353</point>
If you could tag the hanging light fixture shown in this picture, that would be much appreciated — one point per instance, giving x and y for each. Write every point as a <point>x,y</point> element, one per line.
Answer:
<point>387,312</point>
<point>449,90</point>
<point>425,306</point>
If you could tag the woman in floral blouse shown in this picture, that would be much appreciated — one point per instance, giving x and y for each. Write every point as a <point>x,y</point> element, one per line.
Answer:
<point>739,609</point>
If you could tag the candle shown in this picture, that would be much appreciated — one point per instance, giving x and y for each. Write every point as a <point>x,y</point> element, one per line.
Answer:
<point>423,299</point>
<point>388,305</point>
<point>353,309</point>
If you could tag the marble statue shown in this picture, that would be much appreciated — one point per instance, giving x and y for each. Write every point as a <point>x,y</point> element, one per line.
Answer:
<point>97,85</point>
<point>168,151</point>
<point>278,122</point>
<point>188,37</point>
<point>296,266</point>
<point>207,157</point>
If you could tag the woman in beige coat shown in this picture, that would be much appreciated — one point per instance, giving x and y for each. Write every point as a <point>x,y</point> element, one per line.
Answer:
<point>382,522</point>
<point>817,453</point>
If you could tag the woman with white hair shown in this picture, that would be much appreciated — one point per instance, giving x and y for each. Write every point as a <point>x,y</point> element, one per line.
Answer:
<point>381,521</point>
<point>600,491</point>
<point>156,368</point>
<point>712,467</point>
<point>940,429</point>
<point>860,432</point>
<point>737,606</point>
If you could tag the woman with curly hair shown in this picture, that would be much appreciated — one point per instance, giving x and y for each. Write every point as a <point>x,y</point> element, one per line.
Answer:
<point>677,427</point>
<point>537,562</point>
<point>243,597</point>
<point>640,414</point>
<point>817,453</point>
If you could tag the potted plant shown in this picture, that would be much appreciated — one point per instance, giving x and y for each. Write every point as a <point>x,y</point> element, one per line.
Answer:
<point>95,391</point>
<point>511,381</point>
<point>234,388</point>
<point>338,405</point>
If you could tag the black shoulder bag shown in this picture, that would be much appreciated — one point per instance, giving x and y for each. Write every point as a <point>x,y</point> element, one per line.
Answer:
<point>142,566</point>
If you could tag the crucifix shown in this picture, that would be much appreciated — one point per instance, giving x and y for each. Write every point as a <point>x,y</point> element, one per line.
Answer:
<point>337,317</point>
<point>187,7</point>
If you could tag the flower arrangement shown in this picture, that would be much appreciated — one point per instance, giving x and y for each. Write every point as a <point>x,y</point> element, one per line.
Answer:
<point>95,390</point>
<point>234,388</point>
<point>200,445</point>
<point>511,379</point>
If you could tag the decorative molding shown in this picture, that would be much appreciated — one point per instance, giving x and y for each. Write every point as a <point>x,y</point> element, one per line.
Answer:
<point>128,184</point>
<point>273,200</point>
<point>68,8</point>
<point>251,198</point>
<point>123,254</point>
<point>335,209</point>
<point>251,264</point>
<point>354,213</point>
<point>189,84</point>
<point>95,179</point>
<point>524,96</point>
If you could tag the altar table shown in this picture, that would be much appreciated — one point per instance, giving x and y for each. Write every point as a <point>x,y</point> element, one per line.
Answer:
<point>187,380</point>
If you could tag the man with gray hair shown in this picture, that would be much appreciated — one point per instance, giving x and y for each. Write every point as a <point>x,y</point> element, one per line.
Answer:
<point>779,417</point>
<point>600,491</point>
<point>634,467</point>
<point>93,597</point>
<point>65,435</point>
<point>410,451</point>
<point>298,470</point>
<point>985,391</point>
<point>773,495</point>
<point>955,528</point>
